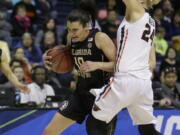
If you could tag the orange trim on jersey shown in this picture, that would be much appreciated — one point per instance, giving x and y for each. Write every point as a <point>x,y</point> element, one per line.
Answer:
<point>109,89</point>
<point>105,94</point>
<point>124,43</point>
<point>112,80</point>
<point>120,46</point>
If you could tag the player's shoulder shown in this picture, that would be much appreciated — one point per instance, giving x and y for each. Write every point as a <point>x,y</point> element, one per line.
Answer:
<point>151,21</point>
<point>146,18</point>
<point>102,41</point>
<point>100,36</point>
<point>3,44</point>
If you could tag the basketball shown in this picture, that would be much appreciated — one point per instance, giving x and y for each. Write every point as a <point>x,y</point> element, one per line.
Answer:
<point>62,61</point>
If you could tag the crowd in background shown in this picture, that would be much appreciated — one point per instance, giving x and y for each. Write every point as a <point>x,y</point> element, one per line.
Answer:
<point>30,27</point>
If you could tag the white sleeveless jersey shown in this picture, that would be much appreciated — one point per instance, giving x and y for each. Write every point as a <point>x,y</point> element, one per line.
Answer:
<point>134,41</point>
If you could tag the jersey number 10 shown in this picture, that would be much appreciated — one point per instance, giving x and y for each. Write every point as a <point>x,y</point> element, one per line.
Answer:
<point>78,61</point>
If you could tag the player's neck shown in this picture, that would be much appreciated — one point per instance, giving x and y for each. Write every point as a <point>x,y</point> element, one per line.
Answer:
<point>85,35</point>
<point>132,16</point>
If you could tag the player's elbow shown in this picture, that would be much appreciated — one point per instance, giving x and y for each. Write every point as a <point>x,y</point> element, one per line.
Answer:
<point>111,68</point>
<point>152,65</point>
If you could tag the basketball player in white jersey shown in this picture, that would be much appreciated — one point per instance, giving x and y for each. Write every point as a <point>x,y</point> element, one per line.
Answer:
<point>131,85</point>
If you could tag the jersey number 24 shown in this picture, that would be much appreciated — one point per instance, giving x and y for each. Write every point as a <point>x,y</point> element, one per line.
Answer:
<point>147,33</point>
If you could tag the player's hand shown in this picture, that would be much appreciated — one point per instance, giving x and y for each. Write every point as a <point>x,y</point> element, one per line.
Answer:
<point>88,66</point>
<point>23,88</point>
<point>47,61</point>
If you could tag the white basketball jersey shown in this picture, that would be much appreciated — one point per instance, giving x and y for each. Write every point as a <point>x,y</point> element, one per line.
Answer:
<point>134,41</point>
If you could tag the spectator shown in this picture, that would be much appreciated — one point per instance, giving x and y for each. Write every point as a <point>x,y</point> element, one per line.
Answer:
<point>15,63</point>
<point>176,46</point>
<point>49,41</point>
<point>171,89</point>
<point>18,72</point>
<point>48,25</point>
<point>59,84</point>
<point>31,51</point>
<point>39,90</point>
<point>169,60</point>
<point>158,16</point>
<point>176,24</point>
<point>5,29</point>
<point>176,5</point>
<point>21,23</point>
<point>30,9</point>
<point>174,28</point>
<point>19,55</point>
<point>161,44</point>
<point>167,10</point>
<point>43,7</point>
<point>111,4</point>
<point>111,25</point>
<point>42,4</point>
<point>5,5</point>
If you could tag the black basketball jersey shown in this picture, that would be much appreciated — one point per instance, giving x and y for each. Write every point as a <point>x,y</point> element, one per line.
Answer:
<point>87,51</point>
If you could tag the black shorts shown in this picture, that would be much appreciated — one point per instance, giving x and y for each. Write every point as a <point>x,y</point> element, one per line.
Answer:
<point>77,106</point>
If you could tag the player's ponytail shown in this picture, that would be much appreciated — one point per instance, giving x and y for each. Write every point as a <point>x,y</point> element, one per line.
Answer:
<point>89,6</point>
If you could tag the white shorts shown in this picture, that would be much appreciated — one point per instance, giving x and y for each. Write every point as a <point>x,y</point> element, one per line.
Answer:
<point>125,91</point>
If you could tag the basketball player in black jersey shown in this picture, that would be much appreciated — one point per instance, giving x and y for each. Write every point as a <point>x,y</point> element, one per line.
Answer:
<point>94,54</point>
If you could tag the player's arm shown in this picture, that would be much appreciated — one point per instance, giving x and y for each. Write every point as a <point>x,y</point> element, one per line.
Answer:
<point>152,58</point>
<point>5,68</point>
<point>47,61</point>
<point>104,43</point>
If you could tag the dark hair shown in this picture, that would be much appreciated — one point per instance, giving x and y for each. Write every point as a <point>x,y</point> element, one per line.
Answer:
<point>79,15</point>
<point>46,21</point>
<point>15,60</point>
<point>177,13</point>
<point>33,70</point>
<point>170,70</point>
<point>16,67</point>
<point>167,51</point>
<point>90,7</point>
<point>21,6</point>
